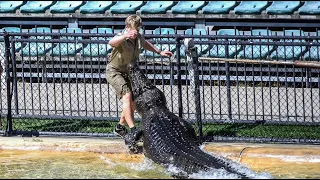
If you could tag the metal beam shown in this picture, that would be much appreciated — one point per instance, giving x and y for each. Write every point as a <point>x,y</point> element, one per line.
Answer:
<point>263,24</point>
<point>146,23</point>
<point>21,22</point>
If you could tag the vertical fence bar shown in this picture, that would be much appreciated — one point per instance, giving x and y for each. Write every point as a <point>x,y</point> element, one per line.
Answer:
<point>179,78</point>
<point>227,66</point>
<point>192,58</point>
<point>14,77</point>
<point>8,130</point>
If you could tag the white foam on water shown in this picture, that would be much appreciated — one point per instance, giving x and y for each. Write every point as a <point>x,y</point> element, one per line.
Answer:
<point>223,174</point>
<point>145,164</point>
<point>213,174</point>
<point>173,170</point>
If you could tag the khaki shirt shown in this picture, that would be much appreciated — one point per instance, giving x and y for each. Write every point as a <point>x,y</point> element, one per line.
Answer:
<point>126,52</point>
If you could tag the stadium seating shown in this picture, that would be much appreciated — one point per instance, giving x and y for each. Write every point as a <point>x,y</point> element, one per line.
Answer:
<point>313,54</point>
<point>218,7</point>
<point>219,51</point>
<point>310,8</point>
<point>65,6</point>
<point>156,7</point>
<point>37,48</point>
<point>95,7</point>
<point>171,47</point>
<point>36,6</point>
<point>283,7</point>
<point>18,45</point>
<point>289,53</point>
<point>187,7</point>
<point>257,51</point>
<point>10,6</point>
<point>162,7</point>
<point>126,7</point>
<point>98,49</point>
<point>68,49</point>
<point>250,7</point>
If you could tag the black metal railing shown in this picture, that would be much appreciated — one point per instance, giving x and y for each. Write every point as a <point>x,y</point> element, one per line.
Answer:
<point>57,85</point>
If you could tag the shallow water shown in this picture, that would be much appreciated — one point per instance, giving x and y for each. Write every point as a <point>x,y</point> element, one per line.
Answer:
<point>17,164</point>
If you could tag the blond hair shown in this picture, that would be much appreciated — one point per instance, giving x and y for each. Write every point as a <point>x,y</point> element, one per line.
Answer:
<point>133,21</point>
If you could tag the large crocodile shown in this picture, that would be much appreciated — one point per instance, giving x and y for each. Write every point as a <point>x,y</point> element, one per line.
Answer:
<point>167,138</point>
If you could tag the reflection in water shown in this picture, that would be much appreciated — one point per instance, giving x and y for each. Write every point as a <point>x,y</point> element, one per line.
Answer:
<point>15,164</point>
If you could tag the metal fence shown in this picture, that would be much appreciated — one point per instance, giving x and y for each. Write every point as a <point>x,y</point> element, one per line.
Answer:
<point>55,82</point>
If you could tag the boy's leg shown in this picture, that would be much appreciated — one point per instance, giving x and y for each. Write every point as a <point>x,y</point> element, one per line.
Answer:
<point>122,120</point>
<point>122,87</point>
<point>127,110</point>
<point>126,115</point>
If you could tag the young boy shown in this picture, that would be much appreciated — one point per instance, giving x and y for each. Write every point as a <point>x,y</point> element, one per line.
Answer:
<point>126,48</point>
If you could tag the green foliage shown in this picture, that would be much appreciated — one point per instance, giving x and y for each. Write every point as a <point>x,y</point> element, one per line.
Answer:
<point>262,131</point>
<point>209,129</point>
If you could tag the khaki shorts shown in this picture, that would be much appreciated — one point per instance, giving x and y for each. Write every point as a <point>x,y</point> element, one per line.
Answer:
<point>119,81</point>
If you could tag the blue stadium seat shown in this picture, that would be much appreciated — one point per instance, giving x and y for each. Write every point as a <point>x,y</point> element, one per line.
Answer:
<point>289,53</point>
<point>36,6</point>
<point>156,7</point>
<point>283,7</point>
<point>18,45</point>
<point>170,47</point>
<point>218,7</point>
<point>219,50</point>
<point>98,49</point>
<point>250,7</point>
<point>257,51</point>
<point>10,29</point>
<point>95,7</point>
<point>310,8</point>
<point>38,48</point>
<point>313,54</point>
<point>65,49</point>
<point>65,6</point>
<point>10,6</point>
<point>126,7</point>
<point>187,7</point>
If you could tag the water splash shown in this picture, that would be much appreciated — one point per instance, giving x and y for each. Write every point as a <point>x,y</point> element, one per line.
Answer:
<point>223,174</point>
<point>213,173</point>
<point>145,164</point>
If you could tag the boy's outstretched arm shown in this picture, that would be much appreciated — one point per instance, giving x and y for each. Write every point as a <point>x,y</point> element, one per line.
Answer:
<point>150,47</point>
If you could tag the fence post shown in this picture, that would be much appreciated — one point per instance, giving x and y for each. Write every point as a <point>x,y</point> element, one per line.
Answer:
<point>227,66</point>
<point>192,58</point>
<point>8,130</point>
<point>179,77</point>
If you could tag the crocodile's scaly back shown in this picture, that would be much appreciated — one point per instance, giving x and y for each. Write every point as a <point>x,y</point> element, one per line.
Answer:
<point>167,138</point>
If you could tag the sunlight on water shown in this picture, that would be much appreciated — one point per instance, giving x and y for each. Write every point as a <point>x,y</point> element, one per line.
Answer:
<point>37,164</point>
<point>16,164</point>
